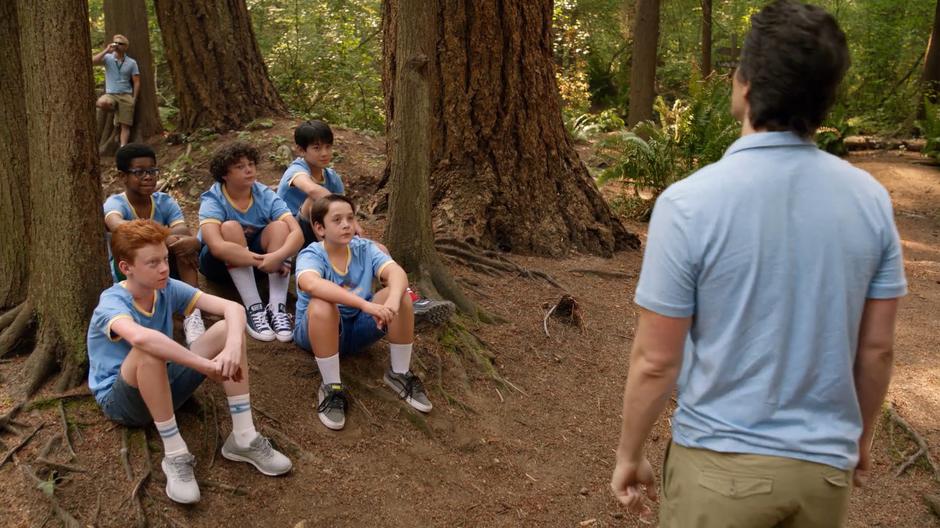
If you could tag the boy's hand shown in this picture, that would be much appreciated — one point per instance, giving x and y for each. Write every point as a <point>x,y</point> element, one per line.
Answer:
<point>270,263</point>
<point>393,304</point>
<point>380,313</point>
<point>230,363</point>
<point>212,370</point>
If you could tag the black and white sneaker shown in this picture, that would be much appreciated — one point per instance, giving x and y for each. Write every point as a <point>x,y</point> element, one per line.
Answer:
<point>433,311</point>
<point>332,405</point>
<point>258,326</point>
<point>409,388</point>
<point>282,323</point>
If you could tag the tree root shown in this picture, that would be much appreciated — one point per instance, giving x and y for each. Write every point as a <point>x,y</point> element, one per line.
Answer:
<point>10,452</point>
<point>14,332</point>
<point>205,484</point>
<point>7,421</point>
<point>138,486</point>
<point>922,448</point>
<point>41,362</point>
<point>65,430</point>
<point>67,520</point>
<point>462,342</point>
<point>289,444</point>
<point>8,316</point>
<point>605,274</point>
<point>125,454</point>
<point>489,262</point>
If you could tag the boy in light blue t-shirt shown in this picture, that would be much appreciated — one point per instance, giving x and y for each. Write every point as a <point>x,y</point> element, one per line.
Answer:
<point>138,374</point>
<point>137,166</point>
<point>246,226</point>
<point>337,313</point>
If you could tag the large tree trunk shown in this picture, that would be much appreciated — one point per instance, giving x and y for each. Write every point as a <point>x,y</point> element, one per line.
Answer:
<point>129,18</point>
<point>706,38</point>
<point>65,230</point>
<point>932,61</point>
<point>504,173</point>
<point>220,78</point>
<point>643,66</point>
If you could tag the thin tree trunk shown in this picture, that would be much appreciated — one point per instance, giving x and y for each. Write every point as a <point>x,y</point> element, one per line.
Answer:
<point>129,18</point>
<point>503,172</point>
<point>14,188</point>
<point>706,38</point>
<point>643,67</point>
<point>220,78</point>
<point>932,61</point>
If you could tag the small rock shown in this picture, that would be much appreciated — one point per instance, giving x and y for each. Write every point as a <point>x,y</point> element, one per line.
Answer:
<point>301,524</point>
<point>583,491</point>
<point>617,515</point>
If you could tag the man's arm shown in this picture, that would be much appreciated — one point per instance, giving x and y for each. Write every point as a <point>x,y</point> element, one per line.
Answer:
<point>135,79</point>
<point>655,361</point>
<point>98,58</point>
<point>158,345</point>
<point>873,364</point>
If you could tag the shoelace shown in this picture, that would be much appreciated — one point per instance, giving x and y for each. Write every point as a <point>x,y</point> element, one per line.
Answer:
<point>412,384</point>
<point>281,320</point>
<point>258,318</point>
<point>182,467</point>
<point>263,446</point>
<point>334,400</point>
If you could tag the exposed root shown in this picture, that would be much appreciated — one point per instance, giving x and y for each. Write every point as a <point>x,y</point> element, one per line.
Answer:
<point>215,431</point>
<point>141,482</point>
<point>75,394</point>
<point>922,448</point>
<point>8,316</point>
<point>289,444</point>
<point>41,362</point>
<point>45,462</point>
<point>489,262</point>
<point>933,501</point>
<point>14,332</point>
<point>37,483</point>
<point>602,273</point>
<point>205,484</point>
<point>65,430</point>
<point>264,413</point>
<point>125,454</point>
<point>10,452</point>
<point>7,421</point>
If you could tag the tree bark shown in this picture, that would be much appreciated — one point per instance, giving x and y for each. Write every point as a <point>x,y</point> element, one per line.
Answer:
<point>219,76</point>
<point>503,172</point>
<point>932,61</point>
<point>643,66</point>
<point>129,18</point>
<point>14,188</point>
<point>706,38</point>
<point>67,259</point>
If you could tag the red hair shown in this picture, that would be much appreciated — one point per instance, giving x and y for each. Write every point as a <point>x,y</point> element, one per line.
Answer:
<point>131,236</point>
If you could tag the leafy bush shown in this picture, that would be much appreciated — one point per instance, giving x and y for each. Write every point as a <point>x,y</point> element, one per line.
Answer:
<point>930,129</point>
<point>831,136</point>
<point>587,125</point>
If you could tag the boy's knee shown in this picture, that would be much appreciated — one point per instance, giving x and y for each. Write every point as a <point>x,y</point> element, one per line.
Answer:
<point>318,309</point>
<point>232,232</point>
<point>148,362</point>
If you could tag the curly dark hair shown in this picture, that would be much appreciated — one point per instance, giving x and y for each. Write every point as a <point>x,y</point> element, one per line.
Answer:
<point>794,58</point>
<point>228,155</point>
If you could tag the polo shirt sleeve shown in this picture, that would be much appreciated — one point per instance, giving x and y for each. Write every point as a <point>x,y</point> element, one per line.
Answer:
<point>135,70</point>
<point>377,260</point>
<point>275,207</point>
<point>182,297</point>
<point>292,172</point>
<point>310,260</point>
<point>110,308</point>
<point>889,281</point>
<point>337,183</point>
<point>114,206</point>
<point>210,210</point>
<point>668,278</point>
<point>172,211</point>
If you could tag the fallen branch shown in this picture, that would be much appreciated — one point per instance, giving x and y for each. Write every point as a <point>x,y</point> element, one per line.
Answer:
<point>125,454</point>
<point>602,273</point>
<point>65,430</point>
<point>545,320</point>
<point>39,484</point>
<point>922,449</point>
<point>10,452</point>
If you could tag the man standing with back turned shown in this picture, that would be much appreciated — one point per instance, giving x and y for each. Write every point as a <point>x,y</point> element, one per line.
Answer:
<point>769,292</point>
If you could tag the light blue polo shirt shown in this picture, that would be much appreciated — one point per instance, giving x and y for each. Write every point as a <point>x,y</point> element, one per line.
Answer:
<point>772,250</point>
<point>216,207</point>
<point>118,74</point>
<point>364,261</point>
<point>293,196</point>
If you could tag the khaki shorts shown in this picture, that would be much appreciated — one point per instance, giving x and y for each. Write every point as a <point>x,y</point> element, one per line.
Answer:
<point>706,489</point>
<point>124,104</point>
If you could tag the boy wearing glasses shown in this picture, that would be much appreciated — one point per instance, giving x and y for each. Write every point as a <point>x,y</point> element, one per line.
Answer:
<point>121,84</point>
<point>137,166</point>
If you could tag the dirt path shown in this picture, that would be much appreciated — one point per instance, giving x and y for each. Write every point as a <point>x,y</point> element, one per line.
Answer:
<point>537,456</point>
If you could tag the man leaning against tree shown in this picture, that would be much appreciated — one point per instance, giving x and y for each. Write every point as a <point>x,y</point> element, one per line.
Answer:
<point>769,292</point>
<point>121,84</point>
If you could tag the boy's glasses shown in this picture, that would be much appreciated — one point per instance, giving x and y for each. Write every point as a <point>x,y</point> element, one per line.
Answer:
<point>142,172</point>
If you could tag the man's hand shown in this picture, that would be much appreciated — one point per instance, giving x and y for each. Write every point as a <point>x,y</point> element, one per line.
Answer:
<point>629,476</point>
<point>860,475</point>
<point>381,313</point>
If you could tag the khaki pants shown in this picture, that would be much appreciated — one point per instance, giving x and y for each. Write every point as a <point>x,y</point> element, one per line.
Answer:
<point>707,489</point>
<point>123,104</point>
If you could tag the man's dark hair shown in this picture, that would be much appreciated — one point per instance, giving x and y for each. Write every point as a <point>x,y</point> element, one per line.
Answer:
<point>320,207</point>
<point>313,132</point>
<point>794,58</point>
<point>228,155</point>
<point>131,151</point>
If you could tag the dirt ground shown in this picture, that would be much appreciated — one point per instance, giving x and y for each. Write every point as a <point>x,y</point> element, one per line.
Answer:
<point>536,450</point>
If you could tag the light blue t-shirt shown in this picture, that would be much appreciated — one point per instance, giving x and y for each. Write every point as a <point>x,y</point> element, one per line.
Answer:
<point>106,350</point>
<point>216,207</point>
<point>773,251</point>
<point>163,210</point>
<point>293,196</point>
<point>118,75</point>
<point>364,262</point>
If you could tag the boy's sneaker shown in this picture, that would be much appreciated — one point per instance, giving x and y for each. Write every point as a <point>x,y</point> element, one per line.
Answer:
<point>257,326</point>
<point>332,405</point>
<point>181,485</point>
<point>409,388</point>
<point>432,311</point>
<point>260,454</point>
<point>282,323</point>
<point>193,328</point>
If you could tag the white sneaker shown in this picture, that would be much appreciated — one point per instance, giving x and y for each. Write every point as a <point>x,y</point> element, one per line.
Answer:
<point>193,327</point>
<point>181,485</point>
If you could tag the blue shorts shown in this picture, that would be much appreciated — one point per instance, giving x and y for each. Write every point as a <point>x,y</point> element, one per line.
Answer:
<point>356,333</point>
<point>125,405</point>
<point>216,270</point>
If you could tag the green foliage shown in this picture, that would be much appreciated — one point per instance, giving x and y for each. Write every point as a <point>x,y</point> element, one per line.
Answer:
<point>587,125</point>
<point>838,126</point>
<point>930,129</point>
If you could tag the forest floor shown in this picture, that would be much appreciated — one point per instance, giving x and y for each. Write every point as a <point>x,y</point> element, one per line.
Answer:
<point>537,451</point>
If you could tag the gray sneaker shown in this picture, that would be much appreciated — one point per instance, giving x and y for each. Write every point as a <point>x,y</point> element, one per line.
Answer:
<point>181,485</point>
<point>409,388</point>
<point>432,311</point>
<point>260,454</point>
<point>331,408</point>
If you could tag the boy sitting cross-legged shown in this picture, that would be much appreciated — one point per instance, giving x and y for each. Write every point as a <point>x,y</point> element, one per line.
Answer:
<point>137,166</point>
<point>139,375</point>
<point>244,226</point>
<point>337,313</point>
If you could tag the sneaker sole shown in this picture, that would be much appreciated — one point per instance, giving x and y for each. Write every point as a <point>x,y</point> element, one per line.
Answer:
<point>335,426</point>
<point>284,338</point>
<point>172,498</point>
<point>409,400</point>
<point>238,458</point>
<point>259,337</point>
<point>437,314</point>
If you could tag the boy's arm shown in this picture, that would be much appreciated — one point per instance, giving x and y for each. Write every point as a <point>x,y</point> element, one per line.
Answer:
<point>295,239</point>
<point>160,346</point>
<point>310,282</point>
<point>113,219</point>
<point>229,252</point>
<point>234,315</point>
<point>305,183</point>
<point>396,280</point>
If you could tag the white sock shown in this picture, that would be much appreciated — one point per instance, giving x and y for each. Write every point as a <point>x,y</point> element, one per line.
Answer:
<point>244,279</point>
<point>173,443</point>
<point>329,369</point>
<point>243,427</point>
<point>277,290</point>
<point>401,357</point>
<point>195,313</point>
